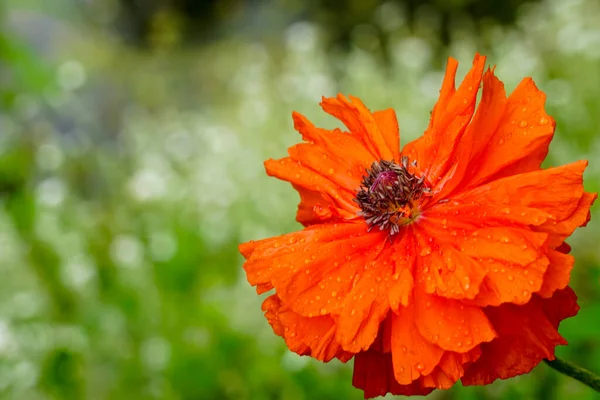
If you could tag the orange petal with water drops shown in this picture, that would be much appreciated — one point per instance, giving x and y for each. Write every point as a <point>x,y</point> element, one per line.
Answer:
<point>509,245</point>
<point>305,336</point>
<point>531,190</point>
<point>330,167</point>
<point>294,172</point>
<point>435,150</point>
<point>374,374</point>
<point>558,273</point>
<point>268,256</point>
<point>366,305</point>
<point>447,220</point>
<point>360,122</point>
<point>402,281</point>
<point>562,229</point>
<point>412,355</point>
<point>450,324</point>
<point>451,274</point>
<point>477,136</point>
<point>520,142</point>
<point>315,208</point>
<point>388,126</point>
<point>511,283</point>
<point>341,145</point>
<point>319,278</point>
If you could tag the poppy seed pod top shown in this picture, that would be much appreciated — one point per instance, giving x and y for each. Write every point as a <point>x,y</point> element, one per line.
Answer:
<point>445,261</point>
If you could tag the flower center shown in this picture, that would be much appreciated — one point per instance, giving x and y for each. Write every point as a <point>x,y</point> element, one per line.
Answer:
<point>389,195</point>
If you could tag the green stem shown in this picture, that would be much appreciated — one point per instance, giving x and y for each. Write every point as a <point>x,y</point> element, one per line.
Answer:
<point>581,374</point>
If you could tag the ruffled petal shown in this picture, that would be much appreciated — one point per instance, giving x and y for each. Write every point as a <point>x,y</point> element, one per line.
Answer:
<point>283,254</point>
<point>338,144</point>
<point>520,141</point>
<point>305,336</point>
<point>451,368</point>
<point>299,175</point>
<point>511,283</point>
<point>315,208</point>
<point>526,335</point>
<point>436,150</point>
<point>361,123</point>
<point>366,305</point>
<point>558,273</point>
<point>531,190</point>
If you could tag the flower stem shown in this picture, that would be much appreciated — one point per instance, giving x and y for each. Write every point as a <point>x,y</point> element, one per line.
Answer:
<point>581,374</point>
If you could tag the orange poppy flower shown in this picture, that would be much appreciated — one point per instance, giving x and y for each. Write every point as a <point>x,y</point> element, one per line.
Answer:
<point>440,262</point>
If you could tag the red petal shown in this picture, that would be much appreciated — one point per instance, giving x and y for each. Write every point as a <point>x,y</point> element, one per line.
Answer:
<point>374,374</point>
<point>526,335</point>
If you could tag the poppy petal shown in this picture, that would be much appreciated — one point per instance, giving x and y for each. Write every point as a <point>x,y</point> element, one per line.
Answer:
<point>292,171</point>
<point>450,324</point>
<point>526,335</point>
<point>520,141</point>
<point>305,336</point>
<point>412,355</point>
<point>361,123</point>
<point>374,374</point>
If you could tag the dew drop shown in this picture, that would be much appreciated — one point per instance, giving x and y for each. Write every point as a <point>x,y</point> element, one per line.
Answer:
<point>404,349</point>
<point>510,277</point>
<point>353,312</point>
<point>420,367</point>
<point>331,171</point>
<point>523,124</point>
<point>459,344</point>
<point>500,142</point>
<point>323,311</point>
<point>544,121</point>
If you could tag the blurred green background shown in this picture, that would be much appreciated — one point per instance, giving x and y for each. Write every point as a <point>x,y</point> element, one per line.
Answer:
<point>132,135</point>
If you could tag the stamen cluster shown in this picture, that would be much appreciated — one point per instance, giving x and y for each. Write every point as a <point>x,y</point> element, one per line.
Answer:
<point>389,195</point>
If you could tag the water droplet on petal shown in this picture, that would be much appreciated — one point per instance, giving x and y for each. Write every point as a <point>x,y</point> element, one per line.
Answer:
<point>544,121</point>
<point>523,124</point>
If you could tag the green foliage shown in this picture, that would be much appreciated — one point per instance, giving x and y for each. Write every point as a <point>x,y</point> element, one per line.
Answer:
<point>128,178</point>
